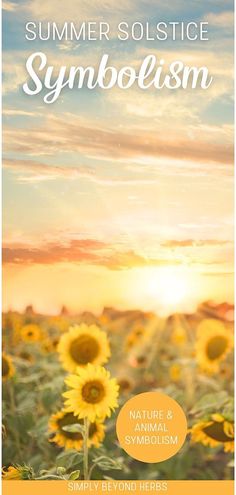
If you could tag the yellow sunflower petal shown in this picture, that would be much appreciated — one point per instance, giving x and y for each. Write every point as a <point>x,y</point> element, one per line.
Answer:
<point>214,342</point>
<point>31,333</point>
<point>93,395</point>
<point>81,345</point>
<point>73,440</point>
<point>8,369</point>
<point>214,433</point>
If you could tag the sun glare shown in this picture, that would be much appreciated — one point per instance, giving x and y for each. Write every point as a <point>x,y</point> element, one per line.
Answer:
<point>170,286</point>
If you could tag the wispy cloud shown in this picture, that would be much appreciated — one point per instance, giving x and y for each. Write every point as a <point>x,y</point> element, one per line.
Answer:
<point>14,112</point>
<point>175,243</point>
<point>10,6</point>
<point>33,171</point>
<point>111,9</point>
<point>115,256</point>
<point>81,251</point>
<point>54,137</point>
<point>223,19</point>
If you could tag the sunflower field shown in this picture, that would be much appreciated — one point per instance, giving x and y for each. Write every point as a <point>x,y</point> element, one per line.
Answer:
<point>66,377</point>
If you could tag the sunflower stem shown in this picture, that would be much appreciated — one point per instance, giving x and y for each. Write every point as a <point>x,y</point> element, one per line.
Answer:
<point>85,445</point>
<point>14,414</point>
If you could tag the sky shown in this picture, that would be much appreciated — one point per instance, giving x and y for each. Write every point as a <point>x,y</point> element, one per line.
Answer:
<point>118,198</point>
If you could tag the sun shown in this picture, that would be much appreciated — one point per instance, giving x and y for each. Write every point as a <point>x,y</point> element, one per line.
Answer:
<point>169,286</point>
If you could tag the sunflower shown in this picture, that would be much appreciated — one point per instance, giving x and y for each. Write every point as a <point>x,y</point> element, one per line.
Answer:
<point>130,342</point>
<point>81,345</point>
<point>17,473</point>
<point>103,319</point>
<point>175,372</point>
<point>218,431</point>
<point>58,323</point>
<point>214,342</point>
<point>8,369</point>
<point>178,336</point>
<point>26,356</point>
<point>134,337</point>
<point>73,440</point>
<point>94,394</point>
<point>125,385</point>
<point>49,344</point>
<point>139,361</point>
<point>226,371</point>
<point>31,333</point>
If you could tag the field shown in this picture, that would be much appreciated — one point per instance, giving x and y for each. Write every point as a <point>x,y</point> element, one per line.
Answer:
<point>187,356</point>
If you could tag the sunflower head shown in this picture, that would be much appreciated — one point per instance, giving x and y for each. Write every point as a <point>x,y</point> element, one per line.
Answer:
<point>8,369</point>
<point>49,344</point>
<point>214,342</point>
<point>139,361</point>
<point>31,333</point>
<point>214,432</point>
<point>135,337</point>
<point>179,336</point>
<point>46,346</point>
<point>81,345</point>
<point>17,473</point>
<point>175,372</point>
<point>125,385</point>
<point>26,356</point>
<point>93,393</point>
<point>73,440</point>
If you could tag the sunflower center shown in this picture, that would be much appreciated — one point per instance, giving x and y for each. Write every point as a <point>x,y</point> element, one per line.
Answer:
<point>216,347</point>
<point>25,355</point>
<point>124,384</point>
<point>141,359</point>
<point>93,392</point>
<point>5,367</point>
<point>216,432</point>
<point>69,419</point>
<point>92,429</point>
<point>84,349</point>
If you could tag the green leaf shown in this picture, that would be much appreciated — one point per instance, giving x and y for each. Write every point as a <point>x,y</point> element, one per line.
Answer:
<point>106,463</point>
<point>76,428</point>
<point>228,410</point>
<point>42,472</point>
<point>74,475</point>
<point>210,402</point>
<point>69,459</point>
<point>61,470</point>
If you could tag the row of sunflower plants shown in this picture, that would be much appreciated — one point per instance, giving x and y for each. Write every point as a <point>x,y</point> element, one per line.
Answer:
<point>65,377</point>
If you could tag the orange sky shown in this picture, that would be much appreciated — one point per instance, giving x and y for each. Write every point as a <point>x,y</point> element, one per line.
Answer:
<point>120,198</point>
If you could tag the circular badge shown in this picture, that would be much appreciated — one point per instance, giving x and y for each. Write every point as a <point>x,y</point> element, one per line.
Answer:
<point>151,427</point>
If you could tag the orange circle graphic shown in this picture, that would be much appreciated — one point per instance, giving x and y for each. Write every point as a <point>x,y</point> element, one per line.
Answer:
<point>151,427</point>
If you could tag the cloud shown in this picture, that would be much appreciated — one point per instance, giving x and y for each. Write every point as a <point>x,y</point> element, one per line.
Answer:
<point>33,171</point>
<point>75,251</point>
<point>218,274</point>
<point>13,112</point>
<point>174,243</point>
<point>9,6</point>
<point>111,10</point>
<point>99,10</point>
<point>81,251</point>
<point>222,20</point>
<point>53,137</point>
<point>112,255</point>
<point>88,11</point>
<point>29,171</point>
<point>14,73</point>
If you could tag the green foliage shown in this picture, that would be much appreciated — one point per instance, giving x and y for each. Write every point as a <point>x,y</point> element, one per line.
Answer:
<point>35,392</point>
